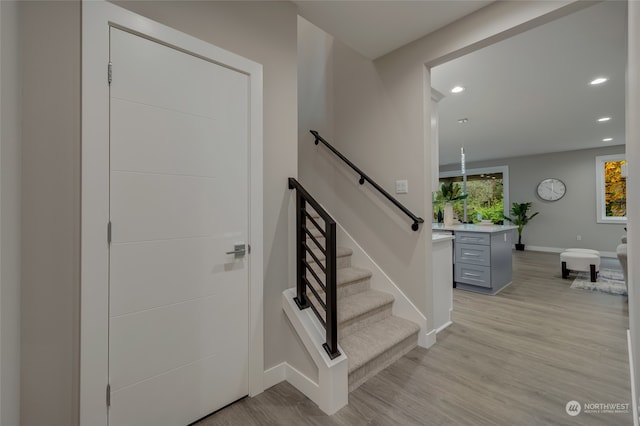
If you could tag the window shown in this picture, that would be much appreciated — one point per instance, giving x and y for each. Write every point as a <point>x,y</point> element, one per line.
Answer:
<point>611,188</point>
<point>488,191</point>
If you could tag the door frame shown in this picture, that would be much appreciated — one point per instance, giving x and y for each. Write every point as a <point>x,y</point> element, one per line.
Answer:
<point>97,18</point>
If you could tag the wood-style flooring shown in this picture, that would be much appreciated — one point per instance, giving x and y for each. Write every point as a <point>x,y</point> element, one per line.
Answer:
<point>516,358</point>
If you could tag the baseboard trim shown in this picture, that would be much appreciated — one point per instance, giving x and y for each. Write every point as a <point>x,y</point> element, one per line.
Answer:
<point>301,382</point>
<point>560,250</point>
<point>634,399</point>
<point>443,326</point>
<point>275,375</point>
<point>427,340</point>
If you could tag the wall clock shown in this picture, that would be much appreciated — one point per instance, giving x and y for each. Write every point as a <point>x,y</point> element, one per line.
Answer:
<point>551,189</point>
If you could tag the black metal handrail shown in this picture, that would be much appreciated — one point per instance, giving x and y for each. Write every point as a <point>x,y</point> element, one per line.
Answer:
<point>363,177</point>
<point>329,269</point>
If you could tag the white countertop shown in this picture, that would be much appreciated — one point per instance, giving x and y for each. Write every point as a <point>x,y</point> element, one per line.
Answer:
<point>441,236</point>
<point>473,228</point>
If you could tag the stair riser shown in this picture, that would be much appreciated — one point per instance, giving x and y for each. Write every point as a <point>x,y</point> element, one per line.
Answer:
<point>373,367</point>
<point>341,262</point>
<point>353,287</point>
<point>358,323</point>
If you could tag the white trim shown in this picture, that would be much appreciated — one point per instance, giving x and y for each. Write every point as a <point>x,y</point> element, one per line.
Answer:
<point>97,16</point>
<point>402,306</point>
<point>331,393</point>
<point>611,254</point>
<point>496,169</point>
<point>634,399</point>
<point>601,215</point>
<point>443,326</point>
<point>275,375</point>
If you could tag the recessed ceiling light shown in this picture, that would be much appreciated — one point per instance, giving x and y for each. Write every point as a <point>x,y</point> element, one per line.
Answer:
<point>598,80</point>
<point>457,89</point>
<point>462,120</point>
<point>601,119</point>
<point>607,139</point>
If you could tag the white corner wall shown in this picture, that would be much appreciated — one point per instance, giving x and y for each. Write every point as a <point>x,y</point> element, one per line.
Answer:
<point>10,166</point>
<point>633,192</point>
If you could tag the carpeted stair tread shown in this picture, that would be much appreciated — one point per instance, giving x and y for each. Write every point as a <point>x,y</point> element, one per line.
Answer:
<point>341,252</point>
<point>372,341</point>
<point>354,306</point>
<point>350,274</point>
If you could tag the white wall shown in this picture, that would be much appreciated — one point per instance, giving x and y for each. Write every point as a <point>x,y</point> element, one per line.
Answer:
<point>633,193</point>
<point>560,222</point>
<point>9,214</point>
<point>352,104</point>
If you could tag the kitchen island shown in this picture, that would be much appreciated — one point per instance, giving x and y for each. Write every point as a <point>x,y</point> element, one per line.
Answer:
<point>481,256</point>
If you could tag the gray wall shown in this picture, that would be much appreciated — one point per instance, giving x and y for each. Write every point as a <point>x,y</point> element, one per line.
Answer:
<point>50,50</point>
<point>560,222</point>
<point>9,215</point>
<point>352,103</point>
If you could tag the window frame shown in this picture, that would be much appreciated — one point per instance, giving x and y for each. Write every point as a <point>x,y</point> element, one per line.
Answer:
<point>601,209</point>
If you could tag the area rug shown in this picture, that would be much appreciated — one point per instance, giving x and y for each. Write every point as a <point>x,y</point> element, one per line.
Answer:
<point>609,281</point>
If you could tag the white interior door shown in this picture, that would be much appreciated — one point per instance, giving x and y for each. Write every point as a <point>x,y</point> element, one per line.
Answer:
<point>178,304</point>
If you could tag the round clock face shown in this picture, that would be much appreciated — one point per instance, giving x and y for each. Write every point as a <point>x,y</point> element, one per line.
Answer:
<point>551,189</point>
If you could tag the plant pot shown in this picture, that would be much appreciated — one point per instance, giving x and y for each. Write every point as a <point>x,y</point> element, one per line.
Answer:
<point>520,247</point>
<point>448,215</point>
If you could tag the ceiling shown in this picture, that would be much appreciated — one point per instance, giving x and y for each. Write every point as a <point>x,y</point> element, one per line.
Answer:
<point>374,28</point>
<point>526,95</point>
<point>530,94</point>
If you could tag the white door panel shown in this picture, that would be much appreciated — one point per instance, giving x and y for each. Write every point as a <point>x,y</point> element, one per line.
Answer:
<point>151,274</point>
<point>177,334</point>
<point>178,304</point>
<point>153,140</point>
<point>196,386</point>
<point>148,207</point>
<point>152,74</point>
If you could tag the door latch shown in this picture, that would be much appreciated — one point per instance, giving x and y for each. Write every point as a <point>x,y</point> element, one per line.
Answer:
<point>239,250</point>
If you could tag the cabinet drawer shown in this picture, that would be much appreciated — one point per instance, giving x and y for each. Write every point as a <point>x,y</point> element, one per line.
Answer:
<point>473,238</point>
<point>475,254</point>
<point>473,274</point>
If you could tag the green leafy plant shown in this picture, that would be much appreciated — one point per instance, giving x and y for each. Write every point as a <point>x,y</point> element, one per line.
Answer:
<point>451,191</point>
<point>520,217</point>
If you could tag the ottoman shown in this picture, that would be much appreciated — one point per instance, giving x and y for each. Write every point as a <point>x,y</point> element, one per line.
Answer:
<point>580,261</point>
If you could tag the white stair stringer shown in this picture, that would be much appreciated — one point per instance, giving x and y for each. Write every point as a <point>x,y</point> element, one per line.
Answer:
<point>332,391</point>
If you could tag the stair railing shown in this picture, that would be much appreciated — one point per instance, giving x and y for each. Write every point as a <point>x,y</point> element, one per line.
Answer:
<point>364,178</point>
<point>304,269</point>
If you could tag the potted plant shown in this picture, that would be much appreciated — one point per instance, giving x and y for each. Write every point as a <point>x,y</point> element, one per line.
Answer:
<point>520,219</point>
<point>450,191</point>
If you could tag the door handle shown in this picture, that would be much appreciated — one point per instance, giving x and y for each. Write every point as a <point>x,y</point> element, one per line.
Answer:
<point>239,250</point>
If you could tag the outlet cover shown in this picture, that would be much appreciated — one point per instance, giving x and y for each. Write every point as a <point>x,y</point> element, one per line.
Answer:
<point>402,187</point>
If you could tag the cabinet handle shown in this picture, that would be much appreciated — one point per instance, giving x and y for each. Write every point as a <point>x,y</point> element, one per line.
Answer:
<point>471,254</point>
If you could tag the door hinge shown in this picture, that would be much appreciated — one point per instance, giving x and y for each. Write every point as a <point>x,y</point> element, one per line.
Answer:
<point>249,248</point>
<point>109,72</point>
<point>109,232</point>
<point>108,395</point>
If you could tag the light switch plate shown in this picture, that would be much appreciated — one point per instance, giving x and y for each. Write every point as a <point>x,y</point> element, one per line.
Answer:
<point>402,187</point>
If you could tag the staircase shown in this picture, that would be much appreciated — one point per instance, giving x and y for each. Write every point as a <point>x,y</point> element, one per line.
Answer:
<point>369,334</point>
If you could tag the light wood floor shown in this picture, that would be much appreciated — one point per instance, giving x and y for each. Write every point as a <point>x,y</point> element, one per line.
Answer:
<point>515,358</point>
